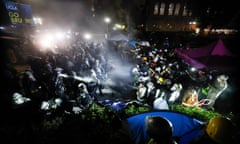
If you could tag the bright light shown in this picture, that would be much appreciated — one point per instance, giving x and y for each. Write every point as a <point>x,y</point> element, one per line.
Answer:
<point>87,36</point>
<point>118,27</point>
<point>49,40</point>
<point>46,41</point>
<point>37,20</point>
<point>59,35</point>
<point>193,69</point>
<point>192,22</point>
<point>107,20</point>
<point>197,30</point>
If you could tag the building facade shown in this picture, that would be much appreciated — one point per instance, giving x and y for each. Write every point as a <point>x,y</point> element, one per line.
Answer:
<point>169,15</point>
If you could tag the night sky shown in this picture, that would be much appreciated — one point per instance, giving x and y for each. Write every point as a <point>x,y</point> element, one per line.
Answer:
<point>211,12</point>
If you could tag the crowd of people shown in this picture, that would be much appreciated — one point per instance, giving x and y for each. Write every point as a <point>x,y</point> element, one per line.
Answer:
<point>74,77</point>
<point>155,73</point>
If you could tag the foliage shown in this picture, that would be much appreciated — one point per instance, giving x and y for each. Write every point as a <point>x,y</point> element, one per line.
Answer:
<point>107,116</point>
<point>197,112</point>
<point>134,109</point>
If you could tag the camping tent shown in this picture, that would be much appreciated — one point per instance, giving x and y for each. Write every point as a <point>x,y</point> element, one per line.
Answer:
<point>214,56</point>
<point>185,128</point>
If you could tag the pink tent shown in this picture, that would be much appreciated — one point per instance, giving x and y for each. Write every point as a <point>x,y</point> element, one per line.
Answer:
<point>188,59</point>
<point>214,56</point>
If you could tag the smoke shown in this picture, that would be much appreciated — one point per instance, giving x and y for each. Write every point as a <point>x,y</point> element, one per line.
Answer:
<point>120,70</point>
<point>76,15</point>
<point>67,14</point>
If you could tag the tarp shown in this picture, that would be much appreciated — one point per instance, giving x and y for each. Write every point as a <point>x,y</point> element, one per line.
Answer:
<point>118,37</point>
<point>214,56</point>
<point>141,43</point>
<point>186,128</point>
<point>188,59</point>
<point>133,43</point>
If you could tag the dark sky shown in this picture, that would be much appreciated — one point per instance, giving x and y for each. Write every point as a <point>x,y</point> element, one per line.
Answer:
<point>63,12</point>
<point>229,7</point>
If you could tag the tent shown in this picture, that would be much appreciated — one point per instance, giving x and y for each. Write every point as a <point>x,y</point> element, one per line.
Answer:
<point>214,56</point>
<point>118,37</point>
<point>134,43</point>
<point>185,128</point>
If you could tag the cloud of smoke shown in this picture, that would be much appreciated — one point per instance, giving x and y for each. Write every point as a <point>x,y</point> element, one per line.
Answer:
<point>75,15</point>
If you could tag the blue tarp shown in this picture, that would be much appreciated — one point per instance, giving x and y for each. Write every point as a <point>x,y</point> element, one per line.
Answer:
<point>184,127</point>
<point>115,106</point>
<point>142,43</point>
<point>133,43</point>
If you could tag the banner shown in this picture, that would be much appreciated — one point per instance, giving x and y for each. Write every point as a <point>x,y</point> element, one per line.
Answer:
<point>19,14</point>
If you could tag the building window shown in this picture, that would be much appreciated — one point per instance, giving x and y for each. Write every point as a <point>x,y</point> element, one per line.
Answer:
<point>162,8</point>
<point>177,9</point>
<point>190,13</point>
<point>185,11</point>
<point>170,9</point>
<point>155,10</point>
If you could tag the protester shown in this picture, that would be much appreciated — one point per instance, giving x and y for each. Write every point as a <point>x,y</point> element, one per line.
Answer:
<point>160,130</point>
<point>218,130</point>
